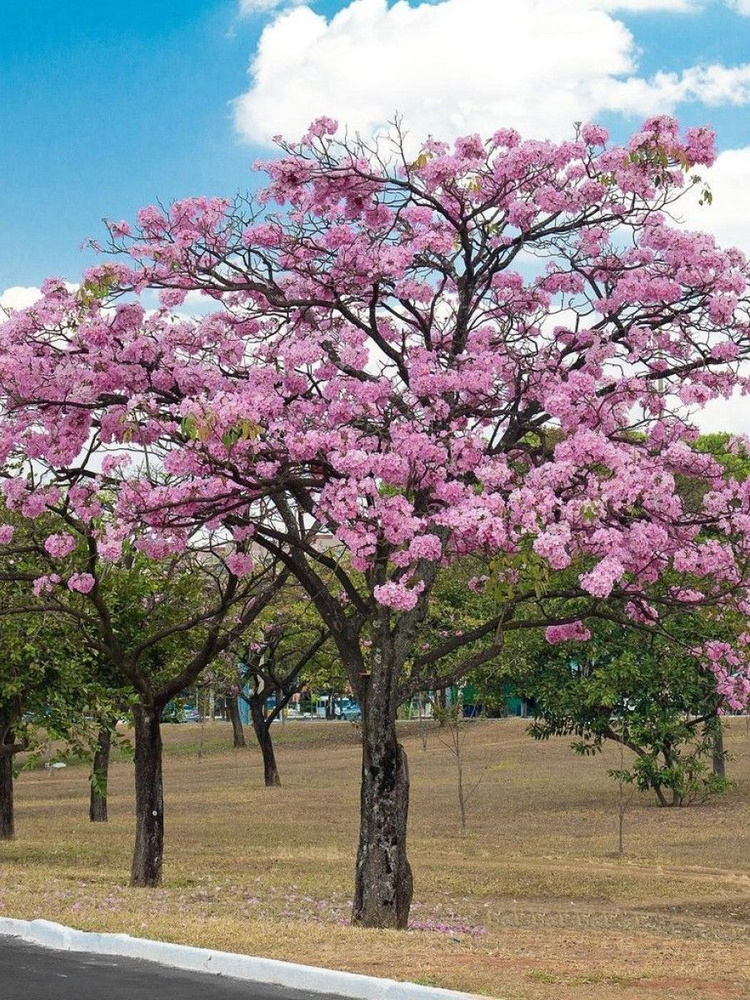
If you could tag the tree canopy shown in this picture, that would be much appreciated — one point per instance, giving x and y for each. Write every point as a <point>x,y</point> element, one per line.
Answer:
<point>489,349</point>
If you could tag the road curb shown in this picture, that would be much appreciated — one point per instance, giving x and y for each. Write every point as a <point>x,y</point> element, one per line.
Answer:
<point>269,971</point>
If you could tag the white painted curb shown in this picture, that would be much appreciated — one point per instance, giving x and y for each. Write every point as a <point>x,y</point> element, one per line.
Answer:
<point>223,963</point>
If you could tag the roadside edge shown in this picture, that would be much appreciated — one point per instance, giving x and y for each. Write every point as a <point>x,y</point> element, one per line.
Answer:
<point>269,971</point>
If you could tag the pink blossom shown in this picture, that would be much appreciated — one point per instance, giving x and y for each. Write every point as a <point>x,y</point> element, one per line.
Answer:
<point>110,548</point>
<point>35,505</point>
<point>425,547</point>
<point>602,578</point>
<point>83,583</point>
<point>323,126</point>
<point>172,297</point>
<point>112,462</point>
<point>44,584</point>
<point>121,228</point>
<point>569,632</point>
<point>334,384</point>
<point>595,135</point>
<point>553,544</point>
<point>160,546</point>
<point>397,596</point>
<point>243,532</point>
<point>240,564</point>
<point>60,546</point>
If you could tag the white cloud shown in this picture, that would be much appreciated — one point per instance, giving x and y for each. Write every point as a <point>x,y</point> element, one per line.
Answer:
<point>429,63</point>
<point>728,215</point>
<point>21,297</point>
<point>741,6</point>
<point>637,6</point>
<point>18,297</point>
<point>709,85</point>
<point>725,416</point>
<point>463,65</point>
<point>249,7</point>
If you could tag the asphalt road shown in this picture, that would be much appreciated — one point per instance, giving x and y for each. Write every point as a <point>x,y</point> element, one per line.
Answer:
<point>28,972</point>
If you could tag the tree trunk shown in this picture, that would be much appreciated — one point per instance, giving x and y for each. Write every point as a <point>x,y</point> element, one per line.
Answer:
<point>719,759</point>
<point>670,758</point>
<point>263,734</point>
<point>621,805</point>
<point>100,776</point>
<point>441,703</point>
<point>461,796</point>
<point>7,816</point>
<point>662,799</point>
<point>149,798</point>
<point>271,774</point>
<point>422,719</point>
<point>383,879</point>
<point>238,733</point>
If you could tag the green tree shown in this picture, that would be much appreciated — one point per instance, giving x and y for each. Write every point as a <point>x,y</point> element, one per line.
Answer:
<point>643,690</point>
<point>149,626</point>
<point>281,653</point>
<point>43,691</point>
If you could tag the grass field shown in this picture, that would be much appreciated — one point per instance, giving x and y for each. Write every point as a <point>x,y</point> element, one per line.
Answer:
<point>531,903</point>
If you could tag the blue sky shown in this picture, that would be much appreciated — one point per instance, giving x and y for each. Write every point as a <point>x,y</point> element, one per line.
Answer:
<point>107,106</point>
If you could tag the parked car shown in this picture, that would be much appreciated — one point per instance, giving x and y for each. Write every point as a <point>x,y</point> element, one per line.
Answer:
<point>350,712</point>
<point>175,712</point>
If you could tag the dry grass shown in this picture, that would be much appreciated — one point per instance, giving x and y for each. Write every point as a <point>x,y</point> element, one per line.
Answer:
<point>531,903</point>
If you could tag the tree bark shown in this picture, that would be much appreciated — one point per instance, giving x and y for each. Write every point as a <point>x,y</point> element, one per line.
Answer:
<point>149,798</point>
<point>383,879</point>
<point>7,813</point>
<point>719,760</point>
<point>263,734</point>
<point>461,796</point>
<point>441,702</point>
<point>238,733</point>
<point>100,777</point>
<point>661,797</point>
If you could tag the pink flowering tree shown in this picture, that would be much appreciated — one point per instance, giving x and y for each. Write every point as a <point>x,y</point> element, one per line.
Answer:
<point>152,610</point>
<point>491,349</point>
